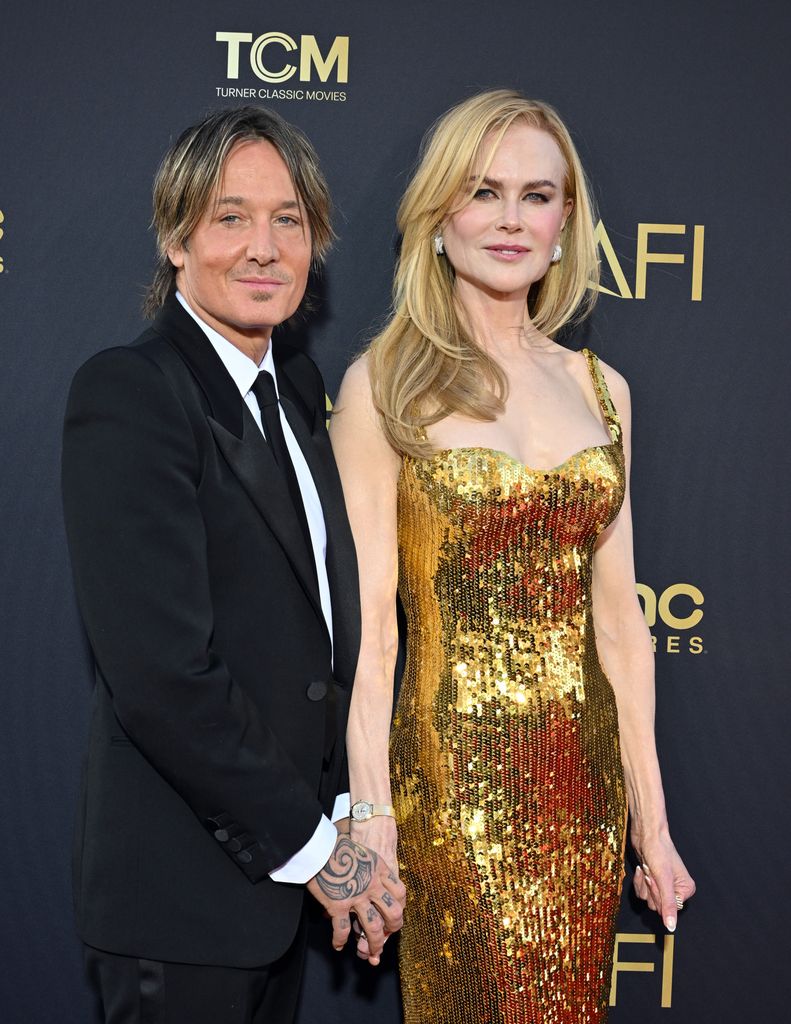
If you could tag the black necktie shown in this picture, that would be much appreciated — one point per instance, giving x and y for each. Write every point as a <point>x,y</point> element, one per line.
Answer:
<point>266,396</point>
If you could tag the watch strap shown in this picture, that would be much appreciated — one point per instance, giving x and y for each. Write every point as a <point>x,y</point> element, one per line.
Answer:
<point>386,810</point>
<point>376,810</point>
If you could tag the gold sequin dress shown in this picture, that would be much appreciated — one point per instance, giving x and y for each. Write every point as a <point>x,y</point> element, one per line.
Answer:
<point>507,777</point>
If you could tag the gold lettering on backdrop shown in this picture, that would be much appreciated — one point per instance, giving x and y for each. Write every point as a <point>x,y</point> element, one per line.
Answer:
<point>666,608</point>
<point>310,54</point>
<point>257,51</point>
<point>649,604</point>
<point>233,39</point>
<point>667,971</point>
<point>644,257</point>
<point>311,57</point>
<point>606,246</point>
<point>678,590</point>
<point>644,966</point>
<point>697,263</point>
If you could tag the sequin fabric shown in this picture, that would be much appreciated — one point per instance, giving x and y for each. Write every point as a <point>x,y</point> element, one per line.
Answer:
<point>507,777</point>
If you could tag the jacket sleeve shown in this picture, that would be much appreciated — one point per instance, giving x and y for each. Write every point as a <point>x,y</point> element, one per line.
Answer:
<point>131,473</point>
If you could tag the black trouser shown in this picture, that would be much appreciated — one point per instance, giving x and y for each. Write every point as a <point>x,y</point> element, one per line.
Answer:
<point>135,991</point>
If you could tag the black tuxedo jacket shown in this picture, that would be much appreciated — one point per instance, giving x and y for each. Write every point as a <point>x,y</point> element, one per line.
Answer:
<point>212,748</point>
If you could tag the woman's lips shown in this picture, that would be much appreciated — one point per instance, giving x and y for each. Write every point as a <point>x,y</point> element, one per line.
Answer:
<point>507,252</point>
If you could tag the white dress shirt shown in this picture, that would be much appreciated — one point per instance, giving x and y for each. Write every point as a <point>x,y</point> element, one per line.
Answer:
<point>306,862</point>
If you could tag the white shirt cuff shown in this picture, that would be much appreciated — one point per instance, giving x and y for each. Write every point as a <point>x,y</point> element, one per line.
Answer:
<point>308,861</point>
<point>342,807</point>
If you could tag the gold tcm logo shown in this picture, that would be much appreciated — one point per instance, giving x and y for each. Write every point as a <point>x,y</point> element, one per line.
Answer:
<point>277,58</point>
<point>646,255</point>
<point>677,609</point>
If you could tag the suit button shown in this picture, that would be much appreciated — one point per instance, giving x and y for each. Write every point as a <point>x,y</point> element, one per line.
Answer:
<point>244,857</point>
<point>221,835</point>
<point>317,690</point>
<point>220,821</point>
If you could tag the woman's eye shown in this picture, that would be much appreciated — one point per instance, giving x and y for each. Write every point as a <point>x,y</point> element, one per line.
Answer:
<point>537,197</point>
<point>483,193</point>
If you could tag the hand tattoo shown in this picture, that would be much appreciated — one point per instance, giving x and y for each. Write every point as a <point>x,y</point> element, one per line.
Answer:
<point>372,915</point>
<point>387,899</point>
<point>348,872</point>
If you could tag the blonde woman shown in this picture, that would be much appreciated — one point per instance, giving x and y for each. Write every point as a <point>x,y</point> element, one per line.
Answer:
<point>485,468</point>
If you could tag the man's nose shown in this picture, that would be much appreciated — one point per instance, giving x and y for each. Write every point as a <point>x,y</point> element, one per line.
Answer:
<point>262,247</point>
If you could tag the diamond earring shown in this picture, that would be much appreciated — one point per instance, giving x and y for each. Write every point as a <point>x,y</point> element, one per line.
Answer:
<point>439,244</point>
<point>557,252</point>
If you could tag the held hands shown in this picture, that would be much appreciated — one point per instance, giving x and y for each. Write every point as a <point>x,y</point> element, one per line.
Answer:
<point>381,835</point>
<point>661,878</point>
<point>355,880</point>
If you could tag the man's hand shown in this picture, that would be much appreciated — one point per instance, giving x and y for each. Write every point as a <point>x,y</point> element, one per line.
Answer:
<point>380,835</point>
<point>355,880</point>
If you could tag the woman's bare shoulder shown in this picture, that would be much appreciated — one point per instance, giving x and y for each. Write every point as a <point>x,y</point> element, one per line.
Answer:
<point>356,383</point>
<point>616,384</point>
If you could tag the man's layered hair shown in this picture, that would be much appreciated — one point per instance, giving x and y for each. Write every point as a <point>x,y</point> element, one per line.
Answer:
<point>190,175</point>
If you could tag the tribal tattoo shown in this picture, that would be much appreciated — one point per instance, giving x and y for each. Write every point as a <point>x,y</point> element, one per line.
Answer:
<point>348,872</point>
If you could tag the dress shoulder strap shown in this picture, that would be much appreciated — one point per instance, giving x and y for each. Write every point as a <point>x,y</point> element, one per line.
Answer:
<point>603,395</point>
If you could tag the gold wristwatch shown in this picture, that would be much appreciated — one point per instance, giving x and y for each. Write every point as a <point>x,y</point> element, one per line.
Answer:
<point>363,811</point>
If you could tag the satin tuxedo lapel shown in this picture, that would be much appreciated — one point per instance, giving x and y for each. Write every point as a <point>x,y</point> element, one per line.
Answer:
<point>311,434</point>
<point>252,461</point>
<point>240,441</point>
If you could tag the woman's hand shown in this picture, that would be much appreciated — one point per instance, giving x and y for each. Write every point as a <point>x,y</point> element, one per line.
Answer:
<point>661,879</point>
<point>381,835</point>
<point>378,833</point>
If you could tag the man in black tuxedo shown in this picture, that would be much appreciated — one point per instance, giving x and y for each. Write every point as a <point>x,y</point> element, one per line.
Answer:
<point>215,572</point>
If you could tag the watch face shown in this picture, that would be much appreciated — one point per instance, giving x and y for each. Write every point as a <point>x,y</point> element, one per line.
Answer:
<point>361,811</point>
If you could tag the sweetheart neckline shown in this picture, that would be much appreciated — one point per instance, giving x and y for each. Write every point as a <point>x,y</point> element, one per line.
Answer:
<point>513,458</point>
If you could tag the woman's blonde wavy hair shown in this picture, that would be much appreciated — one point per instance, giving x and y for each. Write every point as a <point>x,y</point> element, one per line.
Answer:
<point>425,364</point>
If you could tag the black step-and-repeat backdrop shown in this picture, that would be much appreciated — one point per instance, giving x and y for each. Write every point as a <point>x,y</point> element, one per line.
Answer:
<point>680,112</point>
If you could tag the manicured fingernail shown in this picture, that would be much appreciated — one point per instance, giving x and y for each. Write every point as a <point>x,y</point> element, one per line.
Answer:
<point>670,924</point>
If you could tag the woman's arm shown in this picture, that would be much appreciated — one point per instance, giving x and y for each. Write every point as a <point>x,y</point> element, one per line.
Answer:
<point>626,653</point>
<point>369,470</point>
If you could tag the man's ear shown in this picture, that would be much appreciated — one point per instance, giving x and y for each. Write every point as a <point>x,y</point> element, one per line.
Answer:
<point>176,255</point>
